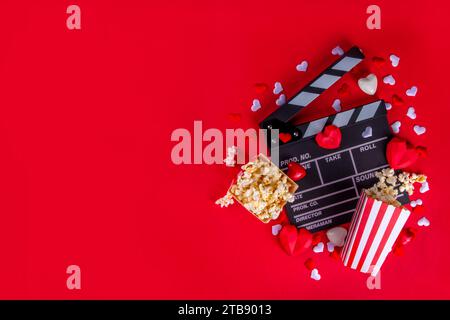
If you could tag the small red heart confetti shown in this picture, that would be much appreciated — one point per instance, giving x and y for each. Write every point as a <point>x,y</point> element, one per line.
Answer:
<point>295,171</point>
<point>261,87</point>
<point>406,236</point>
<point>285,137</point>
<point>294,241</point>
<point>235,117</point>
<point>397,101</point>
<point>422,151</point>
<point>310,264</point>
<point>378,61</point>
<point>330,138</point>
<point>400,154</point>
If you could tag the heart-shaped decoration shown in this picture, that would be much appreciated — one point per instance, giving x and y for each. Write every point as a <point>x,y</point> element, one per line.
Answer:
<point>315,274</point>
<point>400,154</point>
<point>337,51</point>
<point>411,113</point>
<point>396,127</point>
<point>294,241</point>
<point>415,203</point>
<point>302,67</point>
<point>423,222</point>
<point>330,246</point>
<point>406,236</point>
<point>318,248</point>
<point>277,88</point>
<point>367,133</point>
<point>388,106</point>
<point>425,187</point>
<point>368,84</point>
<point>394,60</point>
<point>411,92</point>
<point>422,151</point>
<point>276,228</point>
<point>256,105</point>
<point>330,138</point>
<point>337,236</point>
<point>281,100</point>
<point>285,137</point>
<point>296,171</point>
<point>419,130</point>
<point>389,79</point>
<point>310,264</point>
<point>337,105</point>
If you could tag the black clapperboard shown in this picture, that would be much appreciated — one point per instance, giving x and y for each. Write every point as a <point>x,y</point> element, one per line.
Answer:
<point>328,195</point>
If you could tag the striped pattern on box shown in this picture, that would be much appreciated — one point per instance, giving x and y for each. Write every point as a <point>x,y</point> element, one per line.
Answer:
<point>324,81</point>
<point>373,231</point>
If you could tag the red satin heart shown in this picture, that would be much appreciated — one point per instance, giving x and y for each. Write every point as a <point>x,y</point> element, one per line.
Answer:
<point>295,171</point>
<point>330,138</point>
<point>400,154</point>
<point>285,137</point>
<point>294,241</point>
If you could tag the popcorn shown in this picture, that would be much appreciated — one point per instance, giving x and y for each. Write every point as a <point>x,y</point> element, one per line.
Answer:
<point>231,154</point>
<point>225,201</point>
<point>390,184</point>
<point>262,188</point>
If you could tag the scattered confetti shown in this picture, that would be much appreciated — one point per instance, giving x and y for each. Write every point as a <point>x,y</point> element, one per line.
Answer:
<point>394,60</point>
<point>423,222</point>
<point>337,105</point>
<point>396,126</point>
<point>368,84</point>
<point>388,106</point>
<point>277,88</point>
<point>315,275</point>
<point>411,92</point>
<point>256,105</point>
<point>411,113</point>
<point>276,229</point>
<point>330,247</point>
<point>281,100</point>
<point>302,67</point>
<point>416,203</point>
<point>419,130</point>
<point>337,51</point>
<point>389,80</point>
<point>318,248</point>
<point>424,187</point>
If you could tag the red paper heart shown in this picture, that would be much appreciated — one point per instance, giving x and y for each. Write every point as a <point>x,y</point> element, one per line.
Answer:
<point>310,264</point>
<point>285,137</point>
<point>400,154</point>
<point>295,171</point>
<point>294,241</point>
<point>330,138</point>
<point>378,61</point>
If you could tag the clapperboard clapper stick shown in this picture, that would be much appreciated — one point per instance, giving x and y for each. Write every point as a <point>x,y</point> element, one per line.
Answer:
<point>328,195</point>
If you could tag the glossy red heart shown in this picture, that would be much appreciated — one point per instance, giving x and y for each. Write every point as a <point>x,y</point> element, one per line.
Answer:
<point>406,236</point>
<point>400,154</point>
<point>285,137</point>
<point>295,171</point>
<point>329,138</point>
<point>294,241</point>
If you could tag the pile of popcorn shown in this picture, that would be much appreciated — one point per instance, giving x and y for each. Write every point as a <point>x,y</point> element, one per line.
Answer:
<point>262,188</point>
<point>390,184</point>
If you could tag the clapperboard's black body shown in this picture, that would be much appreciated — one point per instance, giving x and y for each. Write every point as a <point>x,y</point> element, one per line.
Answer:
<point>328,195</point>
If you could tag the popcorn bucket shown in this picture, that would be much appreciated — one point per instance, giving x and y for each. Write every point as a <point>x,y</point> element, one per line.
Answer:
<point>373,231</point>
<point>274,177</point>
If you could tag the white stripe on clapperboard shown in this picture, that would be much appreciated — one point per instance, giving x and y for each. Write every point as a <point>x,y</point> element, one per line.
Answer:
<point>390,242</point>
<point>346,64</point>
<point>304,98</point>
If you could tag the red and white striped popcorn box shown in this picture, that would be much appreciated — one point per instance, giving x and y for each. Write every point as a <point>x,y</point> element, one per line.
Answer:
<point>374,228</point>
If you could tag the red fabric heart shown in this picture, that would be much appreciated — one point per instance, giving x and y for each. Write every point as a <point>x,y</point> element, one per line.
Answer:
<point>295,171</point>
<point>285,137</point>
<point>330,138</point>
<point>400,154</point>
<point>310,264</point>
<point>294,241</point>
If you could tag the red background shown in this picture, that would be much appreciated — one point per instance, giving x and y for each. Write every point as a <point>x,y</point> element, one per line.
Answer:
<point>85,123</point>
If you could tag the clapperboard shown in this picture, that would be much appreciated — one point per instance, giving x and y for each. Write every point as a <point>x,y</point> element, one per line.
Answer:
<point>328,195</point>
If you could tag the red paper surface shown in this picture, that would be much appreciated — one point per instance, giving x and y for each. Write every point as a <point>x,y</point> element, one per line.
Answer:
<point>85,122</point>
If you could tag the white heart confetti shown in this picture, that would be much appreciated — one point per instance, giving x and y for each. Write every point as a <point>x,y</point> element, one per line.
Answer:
<point>416,203</point>
<point>318,248</point>
<point>419,130</point>
<point>281,100</point>
<point>396,126</point>
<point>411,113</point>
<point>337,105</point>
<point>367,133</point>
<point>276,228</point>
<point>411,92</point>
<point>394,60</point>
<point>315,274</point>
<point>424,187</point>
<point>303,66</point>
<point>389,80</point>
<point>277,88</point>
<point>256,105</point>
<point>337,51</point>
<point>368,84</point>
<point>330,247</point>
<point>423,222</point>
<point>337,236</point>
<point>388,106</point>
